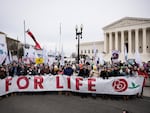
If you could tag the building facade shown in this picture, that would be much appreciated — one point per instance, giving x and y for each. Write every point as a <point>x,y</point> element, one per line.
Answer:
<point>14,46</point>
<point>130,33</point>
<point>89,48</point>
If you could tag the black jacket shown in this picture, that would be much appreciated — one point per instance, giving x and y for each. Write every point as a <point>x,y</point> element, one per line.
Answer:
<point>84,73</point>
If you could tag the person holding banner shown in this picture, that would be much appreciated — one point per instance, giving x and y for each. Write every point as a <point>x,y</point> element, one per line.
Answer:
<point>84,72</point>
<point>40,68</point>
<point>104,73</point>
<point>94,73</point>
<point>115,72</point>
<point>13,69</point>
<point>2,72</point>
<point>32,70</point>
<point>54,69</point>
<point>60,70</point>
<point>45,70</point>
<point>148,68</point>
<point>68,70</point>
<point>22,70</point>
<point>142,72</point>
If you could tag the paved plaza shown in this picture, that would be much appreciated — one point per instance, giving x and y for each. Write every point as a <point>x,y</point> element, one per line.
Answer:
<point>146,91</point>
<point>54,103</point>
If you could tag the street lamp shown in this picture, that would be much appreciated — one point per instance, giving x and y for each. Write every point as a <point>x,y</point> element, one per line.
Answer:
<point>78,36</point>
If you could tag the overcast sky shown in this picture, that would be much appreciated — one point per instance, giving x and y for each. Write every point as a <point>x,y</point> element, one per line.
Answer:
<point>43,18</point>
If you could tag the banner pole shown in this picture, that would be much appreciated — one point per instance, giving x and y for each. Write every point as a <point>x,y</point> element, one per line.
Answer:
<point>24,34</point>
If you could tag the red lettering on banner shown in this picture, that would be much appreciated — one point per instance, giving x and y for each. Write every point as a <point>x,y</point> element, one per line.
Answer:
<point>7,84</point>
<point>58,82</point>
<point>91,85</point>
<point>26,82</point>
<point>69,82</point>
<point>78,83</point>
<point>38,80</point>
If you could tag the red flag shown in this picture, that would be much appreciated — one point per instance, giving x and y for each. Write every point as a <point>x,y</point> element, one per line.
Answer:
<point>37,45</point>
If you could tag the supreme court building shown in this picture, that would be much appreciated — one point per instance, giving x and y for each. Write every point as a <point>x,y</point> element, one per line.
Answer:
<point>130,32</point>
<point>89,48</point>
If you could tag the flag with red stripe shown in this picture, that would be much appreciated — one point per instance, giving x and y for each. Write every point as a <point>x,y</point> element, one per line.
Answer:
<point>37,45</point>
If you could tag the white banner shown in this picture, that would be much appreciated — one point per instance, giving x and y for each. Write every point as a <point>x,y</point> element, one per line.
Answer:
<point>113,85</point>
<point>3,48</point>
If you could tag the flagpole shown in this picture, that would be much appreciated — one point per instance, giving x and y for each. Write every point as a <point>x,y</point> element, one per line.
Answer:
<point>60,38</point>
<point>24,34</point>
<point>17,49</point>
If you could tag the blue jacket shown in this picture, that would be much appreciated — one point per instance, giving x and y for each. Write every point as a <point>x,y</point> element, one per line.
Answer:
<point>68,71</point>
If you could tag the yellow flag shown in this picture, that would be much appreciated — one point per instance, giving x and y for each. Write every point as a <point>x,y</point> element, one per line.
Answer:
<point>39,60</point>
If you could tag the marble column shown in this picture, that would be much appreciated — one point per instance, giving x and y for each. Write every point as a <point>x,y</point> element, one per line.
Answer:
<point>122,41</point>
<point>144,40</point>
<point>110,42</point>
<point>116,39</point>
<point>129,42</point>
<point>105,42</point>
<point>136,40</point>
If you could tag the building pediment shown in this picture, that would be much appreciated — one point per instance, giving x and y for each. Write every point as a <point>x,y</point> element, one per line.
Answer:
<point>127,21</point>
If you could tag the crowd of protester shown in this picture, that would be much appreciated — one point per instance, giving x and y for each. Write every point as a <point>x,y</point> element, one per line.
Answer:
<point>84,70</point>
